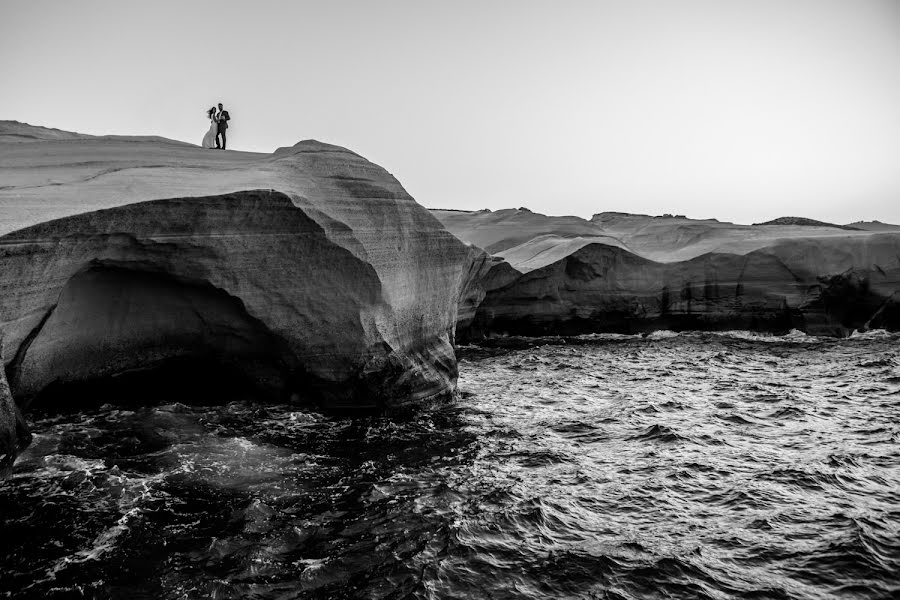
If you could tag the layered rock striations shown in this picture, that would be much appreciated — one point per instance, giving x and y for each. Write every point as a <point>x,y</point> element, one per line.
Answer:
<point>140,267</point>
<point>634,273</point>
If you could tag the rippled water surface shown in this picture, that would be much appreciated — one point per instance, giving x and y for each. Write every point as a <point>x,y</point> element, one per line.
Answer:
<point>690,466</point>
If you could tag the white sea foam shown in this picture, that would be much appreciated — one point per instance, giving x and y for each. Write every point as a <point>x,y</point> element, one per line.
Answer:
<point>662,334</point>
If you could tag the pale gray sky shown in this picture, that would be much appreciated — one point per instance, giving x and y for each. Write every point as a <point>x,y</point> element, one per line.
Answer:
<point>739,110</point>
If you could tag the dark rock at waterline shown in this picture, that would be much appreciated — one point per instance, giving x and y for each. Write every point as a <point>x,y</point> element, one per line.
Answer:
<point>14,435</point>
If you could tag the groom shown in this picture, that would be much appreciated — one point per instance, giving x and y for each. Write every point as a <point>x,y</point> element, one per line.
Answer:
<point>222,119</point>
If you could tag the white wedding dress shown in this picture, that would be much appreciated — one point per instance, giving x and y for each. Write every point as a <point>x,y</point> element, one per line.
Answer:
<point>209,140</point>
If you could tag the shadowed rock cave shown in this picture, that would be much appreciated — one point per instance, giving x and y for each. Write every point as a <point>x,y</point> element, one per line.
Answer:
<point>136,337</point>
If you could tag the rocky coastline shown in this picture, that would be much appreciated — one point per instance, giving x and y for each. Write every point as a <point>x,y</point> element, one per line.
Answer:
<point>623,273</point>
<point>132,268</point>
<point>136,268</point>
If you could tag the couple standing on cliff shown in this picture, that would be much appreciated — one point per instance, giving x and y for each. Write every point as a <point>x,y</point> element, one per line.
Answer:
<point>219,123</point>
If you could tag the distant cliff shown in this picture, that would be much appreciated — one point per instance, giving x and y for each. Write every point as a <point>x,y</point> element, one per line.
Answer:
<point>636,273</point>
<point>805,222</point>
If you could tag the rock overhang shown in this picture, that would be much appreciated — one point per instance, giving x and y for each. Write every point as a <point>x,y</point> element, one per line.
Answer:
<point>311,263</point>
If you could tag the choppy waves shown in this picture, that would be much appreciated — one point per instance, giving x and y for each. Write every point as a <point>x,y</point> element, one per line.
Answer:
<point>672,466</point>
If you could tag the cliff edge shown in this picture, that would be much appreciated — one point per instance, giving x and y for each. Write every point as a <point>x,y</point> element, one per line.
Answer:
<point>141,267</point>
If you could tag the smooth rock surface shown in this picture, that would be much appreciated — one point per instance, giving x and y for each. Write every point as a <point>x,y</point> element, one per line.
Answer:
<point>636,273</point>
<point>308,272</point>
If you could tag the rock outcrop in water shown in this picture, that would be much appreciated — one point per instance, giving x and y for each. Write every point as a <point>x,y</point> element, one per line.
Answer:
<point>635,273</point>
<point>14,433</point>
<point>134,267</point>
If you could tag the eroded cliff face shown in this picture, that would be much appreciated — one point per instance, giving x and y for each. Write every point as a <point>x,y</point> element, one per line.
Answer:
<point>309,273</point>
<point>565,278</point>
<point>246,281</point>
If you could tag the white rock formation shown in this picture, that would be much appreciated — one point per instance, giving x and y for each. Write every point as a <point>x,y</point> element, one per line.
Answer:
<point>309,272</point>
<point>633,273</point>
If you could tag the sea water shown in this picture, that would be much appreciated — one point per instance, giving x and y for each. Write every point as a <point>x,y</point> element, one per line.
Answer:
<point>672,466</point>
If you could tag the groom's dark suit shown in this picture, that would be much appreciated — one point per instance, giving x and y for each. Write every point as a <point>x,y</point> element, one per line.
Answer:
<point>222,120</point>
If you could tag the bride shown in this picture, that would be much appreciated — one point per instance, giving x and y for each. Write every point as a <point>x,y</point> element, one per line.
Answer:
<point>209,140</point>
